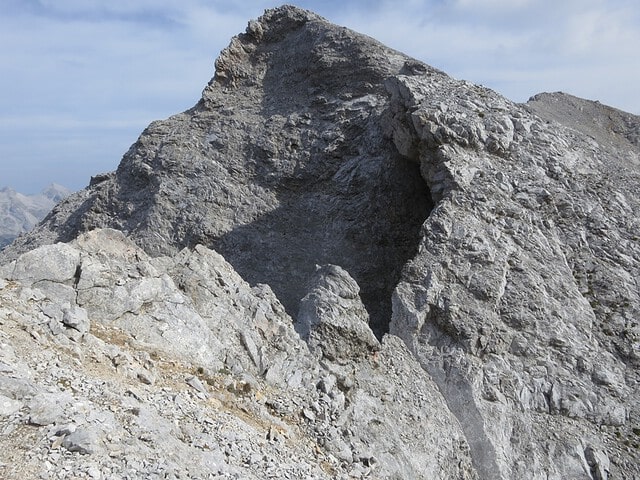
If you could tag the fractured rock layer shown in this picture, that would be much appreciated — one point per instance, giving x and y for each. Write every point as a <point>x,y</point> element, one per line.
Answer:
<point>183,370</point>
<point>506,303</point>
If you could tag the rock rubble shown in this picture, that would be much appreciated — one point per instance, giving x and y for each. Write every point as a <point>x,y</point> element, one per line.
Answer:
<point>182,359</point>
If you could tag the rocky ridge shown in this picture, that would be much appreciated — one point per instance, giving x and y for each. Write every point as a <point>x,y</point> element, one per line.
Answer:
<point>118,365</point>
<point>491,248</point>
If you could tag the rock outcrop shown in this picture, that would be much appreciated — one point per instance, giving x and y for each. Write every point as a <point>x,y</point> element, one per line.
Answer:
<point>491,247</point>
<point>20,213</point>
<point>285,163</point>
<point>115,364</point>
<point>524,267</point>
<point>332,318</point>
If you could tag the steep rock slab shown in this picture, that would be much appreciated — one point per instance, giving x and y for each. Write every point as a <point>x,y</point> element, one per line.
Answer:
<point>506,303</point>
<point>384,390</point>
<point>284,163</point>
<point>332,318</point>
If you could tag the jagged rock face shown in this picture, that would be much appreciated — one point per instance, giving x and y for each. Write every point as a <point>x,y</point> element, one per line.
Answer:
<point>522,301</point>
<point>500,245</point>
<point>332,318</point>
<point>285,163</point>
<point>115,364</point>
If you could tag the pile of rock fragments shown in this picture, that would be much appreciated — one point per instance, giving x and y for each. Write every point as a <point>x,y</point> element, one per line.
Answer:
<point>118,365</point>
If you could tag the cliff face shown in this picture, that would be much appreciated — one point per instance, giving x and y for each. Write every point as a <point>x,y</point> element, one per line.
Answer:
<point>522,301</point>
<point>497,241</point>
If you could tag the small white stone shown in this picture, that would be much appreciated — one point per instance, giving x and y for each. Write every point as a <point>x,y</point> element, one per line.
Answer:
<point>93,472</point>
<point>9,406</point>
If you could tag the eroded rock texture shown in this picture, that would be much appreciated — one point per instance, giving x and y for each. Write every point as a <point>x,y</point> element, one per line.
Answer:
<point>498,241</point>
<point>115,364</point>
<point>285,163</point>
<point>524,267</point>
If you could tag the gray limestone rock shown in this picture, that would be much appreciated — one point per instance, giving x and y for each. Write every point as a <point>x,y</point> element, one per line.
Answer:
<point>48,408</point>
<point>9,406</point>
<point>55,263</point>
<point>76,318</point>
<point>254,372</point>
<point>333,319</point>
<point>492,246</point>
<point>605,125</point>
<point>505,303</point>
<point>390,394</point>
<point>84,441</point>
<point>16,388</point>
<point>290,166</point>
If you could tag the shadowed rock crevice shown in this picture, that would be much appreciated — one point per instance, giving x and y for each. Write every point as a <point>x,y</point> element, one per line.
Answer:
<point>343,193</point>
<point>285,163</point>
<point>370,228</point>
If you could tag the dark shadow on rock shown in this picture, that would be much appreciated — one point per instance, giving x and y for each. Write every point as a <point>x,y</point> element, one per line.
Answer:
<point>369,226</point>
<point>345,195</point>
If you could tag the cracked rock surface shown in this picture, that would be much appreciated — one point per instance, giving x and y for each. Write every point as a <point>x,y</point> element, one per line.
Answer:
<point>339,263</point>
<point>185,371</point>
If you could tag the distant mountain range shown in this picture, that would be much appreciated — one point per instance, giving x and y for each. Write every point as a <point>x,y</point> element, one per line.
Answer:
<point>19,213</point>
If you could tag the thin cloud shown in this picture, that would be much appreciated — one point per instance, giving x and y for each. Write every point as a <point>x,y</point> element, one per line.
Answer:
<point>579,46</point>
<point>81,79</point>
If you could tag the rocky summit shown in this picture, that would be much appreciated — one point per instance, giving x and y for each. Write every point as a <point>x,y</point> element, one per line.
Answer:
<point>340,263</point>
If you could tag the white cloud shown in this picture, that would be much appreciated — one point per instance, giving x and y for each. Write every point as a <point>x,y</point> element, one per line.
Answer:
<point>490,5</point>
<point>521,47</point>
<point>601,31</point>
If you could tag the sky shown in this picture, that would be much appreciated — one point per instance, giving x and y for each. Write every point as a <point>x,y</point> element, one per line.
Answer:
<point>81,79</point>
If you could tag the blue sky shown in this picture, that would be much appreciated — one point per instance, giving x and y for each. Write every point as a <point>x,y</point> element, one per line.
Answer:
<point>80,79</point>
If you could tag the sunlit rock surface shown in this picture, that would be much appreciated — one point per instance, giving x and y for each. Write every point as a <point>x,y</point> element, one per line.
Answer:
<point>324,181</point>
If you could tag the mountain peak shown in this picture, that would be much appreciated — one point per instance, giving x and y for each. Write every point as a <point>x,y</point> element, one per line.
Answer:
<point>233,64</point>
<point>19,213</point>
<point>453,229</point>
<point>606,125</point>
<point>289,47</point>
<point>56,192</point>
<point>275,22</point>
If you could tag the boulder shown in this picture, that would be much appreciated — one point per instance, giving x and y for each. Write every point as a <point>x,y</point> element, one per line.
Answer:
<point>333,319</point>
